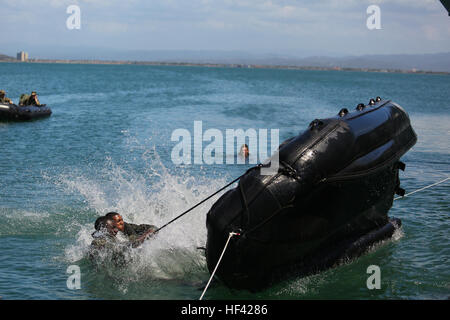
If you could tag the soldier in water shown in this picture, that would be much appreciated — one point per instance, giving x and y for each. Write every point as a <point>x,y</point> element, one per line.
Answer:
<point>135,233</point>
<point>105,240</point>
<point>244,151</point>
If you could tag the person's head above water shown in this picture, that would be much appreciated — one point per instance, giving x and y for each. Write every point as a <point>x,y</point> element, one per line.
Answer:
<point>106,223</point>
<point>118,220</point>
<point>244,150</point>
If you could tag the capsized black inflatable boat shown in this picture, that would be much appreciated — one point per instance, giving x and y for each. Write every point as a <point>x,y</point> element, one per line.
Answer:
<point>12,112</point>
<point>328,201</point>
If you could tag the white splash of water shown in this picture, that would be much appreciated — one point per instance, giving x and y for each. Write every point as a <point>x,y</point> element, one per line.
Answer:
<point>154,196</point>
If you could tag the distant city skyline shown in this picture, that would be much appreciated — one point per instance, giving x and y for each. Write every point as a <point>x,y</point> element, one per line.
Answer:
<point>279,27</point>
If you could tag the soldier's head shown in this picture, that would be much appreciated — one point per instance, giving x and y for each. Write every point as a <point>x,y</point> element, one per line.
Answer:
<point>106,224</point>
<point>33,93</point>
<point>2,93</point>
<point>244,151</point>
<point>118,220</point>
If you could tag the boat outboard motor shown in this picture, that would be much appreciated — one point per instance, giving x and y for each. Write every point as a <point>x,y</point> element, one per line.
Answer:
<point>328,200</point>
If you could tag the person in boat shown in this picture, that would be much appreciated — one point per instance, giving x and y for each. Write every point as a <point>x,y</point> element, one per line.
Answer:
<point>29,100</point>
<point>4,99</point>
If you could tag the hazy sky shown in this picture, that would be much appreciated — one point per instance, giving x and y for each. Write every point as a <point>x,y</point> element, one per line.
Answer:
<point>289,27</point>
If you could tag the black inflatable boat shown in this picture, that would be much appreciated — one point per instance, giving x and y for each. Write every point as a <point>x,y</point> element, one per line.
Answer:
<point>327,202</point>
<point>12,112</point>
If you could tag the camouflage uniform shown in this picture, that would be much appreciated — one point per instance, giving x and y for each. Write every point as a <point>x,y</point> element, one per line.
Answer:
<point>106,248</point>
<point>107,245</point>
<point>134,230</point>
<point>4,99</point>
<point>24,99</point>
<point>29,100</point>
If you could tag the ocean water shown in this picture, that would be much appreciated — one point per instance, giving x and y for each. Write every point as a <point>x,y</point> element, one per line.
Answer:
<point>107,147</point>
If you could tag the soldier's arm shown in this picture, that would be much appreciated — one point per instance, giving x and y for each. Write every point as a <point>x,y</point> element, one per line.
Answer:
<point>137,240</point>
<point>131,229</point>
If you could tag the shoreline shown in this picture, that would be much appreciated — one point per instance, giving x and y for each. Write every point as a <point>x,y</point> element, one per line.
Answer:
<point>224,65</point>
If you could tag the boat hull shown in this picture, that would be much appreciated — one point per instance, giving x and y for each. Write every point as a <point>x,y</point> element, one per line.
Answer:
<point>335,186</point>
<point>12,112</point>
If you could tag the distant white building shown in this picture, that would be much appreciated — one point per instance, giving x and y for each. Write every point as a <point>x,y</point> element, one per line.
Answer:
<point>22,56</point>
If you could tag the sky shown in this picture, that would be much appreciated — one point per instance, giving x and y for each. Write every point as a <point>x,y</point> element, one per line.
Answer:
<point>280,27</point>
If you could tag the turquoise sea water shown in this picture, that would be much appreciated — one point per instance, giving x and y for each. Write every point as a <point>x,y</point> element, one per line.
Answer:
<point>108,146</point>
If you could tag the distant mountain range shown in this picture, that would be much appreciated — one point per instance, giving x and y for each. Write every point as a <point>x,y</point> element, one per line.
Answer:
<point>4,57</point>
<point>439,62</point>
<point>436,62</point>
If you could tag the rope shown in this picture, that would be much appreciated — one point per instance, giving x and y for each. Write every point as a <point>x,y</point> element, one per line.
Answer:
<point>429,186</point>
<point>192,208</point>
<point>218,262</point>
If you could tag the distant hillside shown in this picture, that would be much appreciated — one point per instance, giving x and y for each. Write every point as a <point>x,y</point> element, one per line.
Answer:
<point>4,57</point>
<point>427,62</point>
<point>435,62</point>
